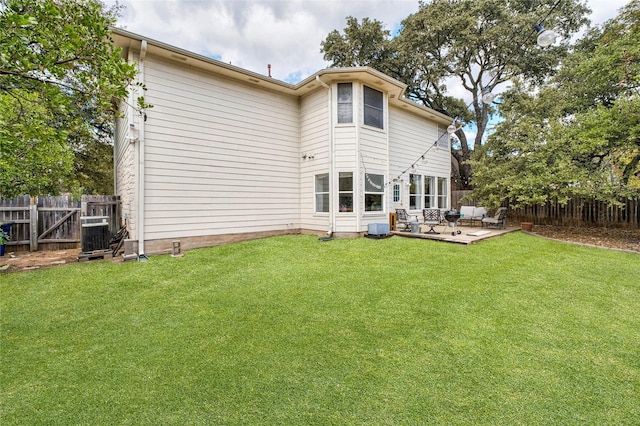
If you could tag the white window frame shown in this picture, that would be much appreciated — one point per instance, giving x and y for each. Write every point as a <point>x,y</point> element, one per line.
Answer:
<point>346,102</point>
<point>374,188</point>
<point>345,191</point>
<point>430,192</point>
<point>415,191</point>
<point>443,199</point>
<point>371,107</point>
<point>397,193</point>
<point>320,192</point>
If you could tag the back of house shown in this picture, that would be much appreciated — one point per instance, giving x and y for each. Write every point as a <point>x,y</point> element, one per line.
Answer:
<point>226,154</point>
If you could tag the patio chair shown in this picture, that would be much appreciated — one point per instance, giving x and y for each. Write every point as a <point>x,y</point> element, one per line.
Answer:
<point>404,218</point>
<point>499,220</point>
<point>431,219</point>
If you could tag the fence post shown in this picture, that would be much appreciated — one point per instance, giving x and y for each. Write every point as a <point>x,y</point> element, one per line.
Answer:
<point>33,224</point>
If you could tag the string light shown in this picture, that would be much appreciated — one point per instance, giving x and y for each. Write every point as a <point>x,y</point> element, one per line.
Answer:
<point>544,39</point>
<point>487,96</point>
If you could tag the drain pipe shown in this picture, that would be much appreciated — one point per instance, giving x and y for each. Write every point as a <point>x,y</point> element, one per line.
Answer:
<point>332,209</point>
<point>141,255</point>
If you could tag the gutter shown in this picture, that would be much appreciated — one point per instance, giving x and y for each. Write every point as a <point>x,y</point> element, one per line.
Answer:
<point>141,157</point>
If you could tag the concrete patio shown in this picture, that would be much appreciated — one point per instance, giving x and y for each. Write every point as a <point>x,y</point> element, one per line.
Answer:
<point>467,235</point>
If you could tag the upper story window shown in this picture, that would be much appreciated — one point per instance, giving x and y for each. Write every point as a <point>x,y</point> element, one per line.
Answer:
<point>373,108</point>
<point>443,137</point>
<point>345,103</point>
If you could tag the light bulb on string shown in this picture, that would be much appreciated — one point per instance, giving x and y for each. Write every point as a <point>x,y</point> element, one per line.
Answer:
<point>545,37</point>
<point>487,96</point>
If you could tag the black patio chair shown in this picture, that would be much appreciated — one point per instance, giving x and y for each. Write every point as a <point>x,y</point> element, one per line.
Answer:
<point>404,218</point>
<point>432,218</point>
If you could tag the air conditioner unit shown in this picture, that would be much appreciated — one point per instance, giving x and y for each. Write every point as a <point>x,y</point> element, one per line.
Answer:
<point>379,229</point>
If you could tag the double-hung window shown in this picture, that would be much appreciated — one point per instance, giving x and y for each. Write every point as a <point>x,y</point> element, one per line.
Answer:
<point>322,193</point>
<point>415,192</point>
<point>345,196</point>
<point>345,103</point>
<point>373,192</point>
<point>373,108</point>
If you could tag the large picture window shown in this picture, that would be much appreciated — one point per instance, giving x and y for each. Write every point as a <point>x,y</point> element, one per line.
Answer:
<point>345,103</point>
<point>415,192</point>
<point>322,193</point>
<point>427,192</point>
<point>345,196</point>
<point>373,108</point>
<point>373,192</point>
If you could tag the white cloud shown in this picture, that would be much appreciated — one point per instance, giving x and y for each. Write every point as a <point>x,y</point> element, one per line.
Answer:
<point>284,33</point>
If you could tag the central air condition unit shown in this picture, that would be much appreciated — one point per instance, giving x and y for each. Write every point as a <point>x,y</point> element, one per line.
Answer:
<point>378,230</point>
<point>95,233</point>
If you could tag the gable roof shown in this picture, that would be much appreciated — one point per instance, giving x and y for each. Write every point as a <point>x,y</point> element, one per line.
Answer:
<point>394,88</point>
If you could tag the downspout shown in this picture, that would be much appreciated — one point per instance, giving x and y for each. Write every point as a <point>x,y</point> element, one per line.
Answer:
<point>332,209</point>
<point>140,225</point>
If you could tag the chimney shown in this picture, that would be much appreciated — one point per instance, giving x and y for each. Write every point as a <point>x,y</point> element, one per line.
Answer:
<point>269,68</point>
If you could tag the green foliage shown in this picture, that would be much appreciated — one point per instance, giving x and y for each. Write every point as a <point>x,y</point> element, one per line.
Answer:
<point>478,44</point>
<point>60,70</point>
<point>365,44</point>
<point>292,331</point>
<point>33,150</point>
<point>577,136</point>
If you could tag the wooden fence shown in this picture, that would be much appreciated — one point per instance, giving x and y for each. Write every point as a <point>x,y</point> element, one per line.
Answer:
<point>577,212</point>
<point>54,223</point>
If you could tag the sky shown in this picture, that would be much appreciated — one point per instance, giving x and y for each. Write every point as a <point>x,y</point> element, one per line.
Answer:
<point>284,33</point>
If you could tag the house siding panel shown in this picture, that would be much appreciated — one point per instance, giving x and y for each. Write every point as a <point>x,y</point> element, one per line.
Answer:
<point>315,141</point>
<point>409,137</point>
<point>214,148</point>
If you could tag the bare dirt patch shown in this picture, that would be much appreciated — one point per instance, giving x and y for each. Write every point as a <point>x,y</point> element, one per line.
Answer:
<point>621,239</point>
<point>24,261</point>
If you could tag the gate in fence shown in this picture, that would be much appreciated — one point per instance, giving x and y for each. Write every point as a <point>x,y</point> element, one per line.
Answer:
<point>55,223</point>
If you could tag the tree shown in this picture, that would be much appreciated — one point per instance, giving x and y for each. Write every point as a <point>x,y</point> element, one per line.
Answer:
<point>577,136</point>
<point>59,74</point>
<point>477,43</point>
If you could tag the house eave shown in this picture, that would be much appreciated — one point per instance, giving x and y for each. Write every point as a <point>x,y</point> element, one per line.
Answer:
<point>394,88</point>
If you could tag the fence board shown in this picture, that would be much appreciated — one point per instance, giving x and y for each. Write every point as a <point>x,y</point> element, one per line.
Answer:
<point>577,212</point>
<point>58,219</point>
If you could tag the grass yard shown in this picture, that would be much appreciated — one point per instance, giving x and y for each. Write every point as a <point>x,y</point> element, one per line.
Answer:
<point>293,331</point>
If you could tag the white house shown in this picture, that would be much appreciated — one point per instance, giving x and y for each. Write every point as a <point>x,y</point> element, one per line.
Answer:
<point>228,154</point>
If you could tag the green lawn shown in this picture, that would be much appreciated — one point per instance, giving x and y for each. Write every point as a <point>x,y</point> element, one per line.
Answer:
<point>293,331</point>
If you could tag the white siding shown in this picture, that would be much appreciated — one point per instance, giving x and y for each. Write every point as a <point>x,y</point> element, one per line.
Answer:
<point>221,157</point>
<point>314,141</point>
<point>125,158</point>
<point>409,137</point>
